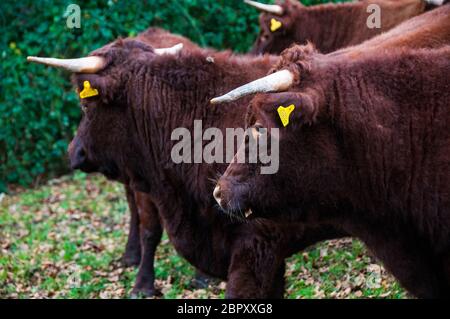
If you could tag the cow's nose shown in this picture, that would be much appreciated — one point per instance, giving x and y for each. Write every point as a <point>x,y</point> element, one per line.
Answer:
<point>78,159</point>
<point>216,195</point>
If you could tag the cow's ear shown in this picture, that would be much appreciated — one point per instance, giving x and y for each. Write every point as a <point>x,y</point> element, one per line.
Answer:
<point>287,108</point>
<point>105,88</point>
<point>278,24</point>
<point>291,11</point>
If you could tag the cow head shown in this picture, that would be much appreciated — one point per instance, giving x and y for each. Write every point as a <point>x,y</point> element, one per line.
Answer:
<point>107,139</point>
<point>276,26</point>
<point>307,149</point>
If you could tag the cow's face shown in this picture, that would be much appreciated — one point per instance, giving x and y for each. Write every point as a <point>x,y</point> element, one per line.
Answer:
<point>102,140</point>
<point>276,31</point>
<point>307,156</point>
<point>106,140</point>
<point>115,85</point>
<point>307,160</point>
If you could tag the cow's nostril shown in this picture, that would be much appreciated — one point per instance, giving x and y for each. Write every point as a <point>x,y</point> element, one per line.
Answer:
<point>81,154</point>
<point>79,159</point>
<point>216,195</point>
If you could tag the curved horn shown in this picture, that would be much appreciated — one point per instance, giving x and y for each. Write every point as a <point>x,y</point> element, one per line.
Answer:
<point>90,64</point>
<point>172,50</point>
<point>270,8</point>
<point>276,82</point>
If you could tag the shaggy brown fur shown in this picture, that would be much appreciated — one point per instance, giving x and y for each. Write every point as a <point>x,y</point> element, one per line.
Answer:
<point>125,134</point>
<point>428,30</point>
<point>161,38</point>
<point>330,26</point>
<point>144,235</point>
<point>373,156</point>
<point>152,230</point>
<point>158,38</point>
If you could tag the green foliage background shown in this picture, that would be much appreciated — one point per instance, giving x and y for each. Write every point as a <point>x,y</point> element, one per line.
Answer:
<point>38,108</point>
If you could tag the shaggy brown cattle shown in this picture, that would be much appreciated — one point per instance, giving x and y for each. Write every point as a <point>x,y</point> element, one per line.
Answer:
<point>125,133</point>
<point>196,238</point>
<point>132,257</point>
<point>426,32</point>
<point>429,30</point>
<point>328,26</point>
<point>152,228</point>
<point>372,154</point>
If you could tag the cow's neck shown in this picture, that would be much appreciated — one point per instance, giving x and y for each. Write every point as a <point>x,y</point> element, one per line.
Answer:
<point>190,108</point>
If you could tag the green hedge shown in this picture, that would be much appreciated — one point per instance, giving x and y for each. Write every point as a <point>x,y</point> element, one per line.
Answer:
<point>38,108</point>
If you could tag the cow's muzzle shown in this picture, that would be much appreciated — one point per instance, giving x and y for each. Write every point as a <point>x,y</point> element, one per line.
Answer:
<point>231,199</point>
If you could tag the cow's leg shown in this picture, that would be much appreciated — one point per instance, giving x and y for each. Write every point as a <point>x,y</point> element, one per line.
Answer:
<point>445,262</point>
<point>202,280</point>
<point>132,255</point>
<point>255,274</point>
<point>150,233</point>
<point>414,271</point>
<point>258,270</point>
<point>279,282</point>
<point>409,259</point>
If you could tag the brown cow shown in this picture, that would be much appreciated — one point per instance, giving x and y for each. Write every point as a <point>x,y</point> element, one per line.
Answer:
<point>328,26</point>
<point>140,202</point>
<point>185,242</point>
<point>142,98</point>
<point>132,257</point>
<point>140,205</point>
<point>367,148</point>
<point>151,228</point>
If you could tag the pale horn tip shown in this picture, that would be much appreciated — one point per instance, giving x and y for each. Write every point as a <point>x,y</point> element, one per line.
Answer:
<point>275,82</point>
<point>270,8</point>
<point>170,51</point>
<point>217,100</point>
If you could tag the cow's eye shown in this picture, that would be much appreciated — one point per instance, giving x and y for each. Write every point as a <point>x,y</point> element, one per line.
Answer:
<point>258,125</point>
<point>255,133</point>
<point>83,108</point>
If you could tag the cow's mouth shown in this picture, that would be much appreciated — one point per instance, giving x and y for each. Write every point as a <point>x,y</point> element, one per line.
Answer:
<point>254,211</point>
<point>110,171</point>
<point>241,215</point>
<point>86,168</point>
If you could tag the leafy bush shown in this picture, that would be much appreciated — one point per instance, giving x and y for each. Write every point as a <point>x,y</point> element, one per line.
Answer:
<point>38,108</point>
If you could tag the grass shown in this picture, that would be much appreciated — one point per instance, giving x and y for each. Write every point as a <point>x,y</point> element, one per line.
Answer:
<point>64,240</point>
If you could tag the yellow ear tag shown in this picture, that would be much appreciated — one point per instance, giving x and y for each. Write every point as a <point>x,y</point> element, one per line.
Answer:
<point>275,25</point>
<point>284,113</point>
<point>87,90</point>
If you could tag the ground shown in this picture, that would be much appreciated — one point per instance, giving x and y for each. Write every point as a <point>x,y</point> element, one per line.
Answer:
<point>65,239</point>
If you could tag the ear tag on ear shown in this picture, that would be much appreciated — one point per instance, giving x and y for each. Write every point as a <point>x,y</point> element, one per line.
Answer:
<point>284,113</point>
<point>275,25</point>
<point>87,90</point>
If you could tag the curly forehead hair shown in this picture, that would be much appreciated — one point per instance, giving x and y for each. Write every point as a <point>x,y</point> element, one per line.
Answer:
<point>297,59</point>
